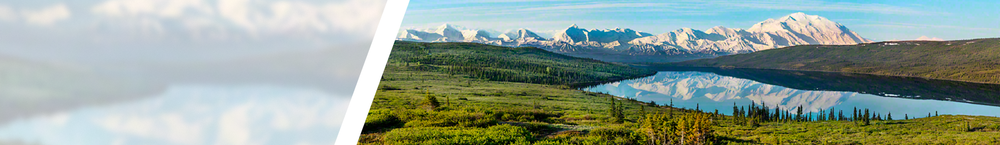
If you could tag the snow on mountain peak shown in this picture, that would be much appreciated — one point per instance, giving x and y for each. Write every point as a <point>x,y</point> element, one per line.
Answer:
<point>800,28</point>
<point>793,29</point>
<point>575,34</point>
<point>520,34</point>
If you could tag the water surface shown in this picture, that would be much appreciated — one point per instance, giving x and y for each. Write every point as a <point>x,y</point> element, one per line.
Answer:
<point>709,89</point>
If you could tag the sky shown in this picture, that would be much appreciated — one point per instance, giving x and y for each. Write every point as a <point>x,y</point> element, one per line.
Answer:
<point>877,20</point>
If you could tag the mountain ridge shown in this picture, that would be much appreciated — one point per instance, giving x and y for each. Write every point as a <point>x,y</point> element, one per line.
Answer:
<point>632,45</point>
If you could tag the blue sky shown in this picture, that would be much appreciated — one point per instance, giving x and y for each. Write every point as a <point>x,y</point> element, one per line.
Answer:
<point>876,20</point>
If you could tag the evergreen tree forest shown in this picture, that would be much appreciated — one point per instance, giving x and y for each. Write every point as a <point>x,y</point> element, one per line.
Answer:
<point>520,64</point>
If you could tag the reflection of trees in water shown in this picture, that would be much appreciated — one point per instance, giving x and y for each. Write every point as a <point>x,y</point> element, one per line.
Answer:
<point>701,85</point>
<point>888,86</point>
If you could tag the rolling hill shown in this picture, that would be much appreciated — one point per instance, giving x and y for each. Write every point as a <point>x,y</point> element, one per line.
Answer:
<point>976,60</point>
<point>513,64</point>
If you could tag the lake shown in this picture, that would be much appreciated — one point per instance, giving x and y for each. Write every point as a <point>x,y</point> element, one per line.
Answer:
<point>709,89</point>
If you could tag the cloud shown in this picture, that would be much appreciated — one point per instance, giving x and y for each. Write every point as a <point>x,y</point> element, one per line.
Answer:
<point>164,8</point>
<point>7,14</point>
<point>234,126</point>
<point>255,18</point>
<point>924,26</point>
<point>925,38</point>
<point>596,6</point>
<point>48,15</point>
<point>170,127</point>
<point>815,5</point>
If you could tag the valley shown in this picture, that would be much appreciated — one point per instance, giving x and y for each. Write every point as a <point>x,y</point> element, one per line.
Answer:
<point>421,102</point>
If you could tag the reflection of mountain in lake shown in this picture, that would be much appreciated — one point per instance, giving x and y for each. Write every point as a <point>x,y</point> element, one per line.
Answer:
<point>888,86</point>
<point>30,88</point>
<point>701,85</point>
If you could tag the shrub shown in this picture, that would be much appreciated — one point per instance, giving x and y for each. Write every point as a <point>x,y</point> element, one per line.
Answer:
<point>525,115</point>
<point>615,135</point>
<point>387,88</point>
<point>431,101</point>
<point>537,127</point>
<point>494,135</point>
<point>994,127</point>
<point>659,129</point>
<point>452,118</point>
<point>380,119</point>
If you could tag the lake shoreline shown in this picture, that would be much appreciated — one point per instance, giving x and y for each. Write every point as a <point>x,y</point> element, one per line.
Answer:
<point>673,66</point>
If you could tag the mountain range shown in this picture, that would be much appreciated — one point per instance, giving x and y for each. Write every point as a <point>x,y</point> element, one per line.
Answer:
<point>627,45</point>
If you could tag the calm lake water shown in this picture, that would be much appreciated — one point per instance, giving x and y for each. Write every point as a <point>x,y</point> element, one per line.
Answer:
<point>709,89</point>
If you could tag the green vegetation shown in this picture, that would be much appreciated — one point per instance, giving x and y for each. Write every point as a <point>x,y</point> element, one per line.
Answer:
<point>975,60</point>
<point>497,63</point>
<point>510,112</point>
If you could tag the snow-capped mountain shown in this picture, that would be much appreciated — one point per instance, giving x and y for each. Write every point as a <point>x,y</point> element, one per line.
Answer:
<point>520,34</point>
<point>623,44</point>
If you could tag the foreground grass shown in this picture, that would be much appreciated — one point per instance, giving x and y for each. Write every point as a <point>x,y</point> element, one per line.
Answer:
<point>477,110</point>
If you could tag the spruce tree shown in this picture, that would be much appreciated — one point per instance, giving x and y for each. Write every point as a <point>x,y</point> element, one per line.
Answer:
<point>867,117</point>
<point>855,116</point>
<point>430,100</point>
<point>888,116</point>
<point>840,116</point>
<point>798,116</point>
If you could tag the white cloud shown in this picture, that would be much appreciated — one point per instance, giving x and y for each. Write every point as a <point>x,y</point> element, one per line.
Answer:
<point>7,14</point>
<point>234,126</point>
<point>164,8</point>
<point>170,127</point>
<point>48,15</point>
<point>254,18</point>
<point>596,6</point>
<point>925,38</point>
<point>816,5</point>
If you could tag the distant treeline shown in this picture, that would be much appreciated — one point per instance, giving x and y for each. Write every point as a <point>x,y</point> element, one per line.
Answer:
<point>498,63</point>
<point>976,60</point>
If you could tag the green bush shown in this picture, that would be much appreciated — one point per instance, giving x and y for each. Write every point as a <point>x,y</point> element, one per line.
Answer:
<point>538,127</point>
<point>525,115</point>
<point>616,135</point>
<point>494,135</point>
<point>450,118</point>
<point>994,127</point>
<point>380,119</point>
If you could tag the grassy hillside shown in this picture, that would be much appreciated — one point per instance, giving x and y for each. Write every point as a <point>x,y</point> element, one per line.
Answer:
<point>975,60</point>
<point>418,105</point>
<point>497,63</point>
